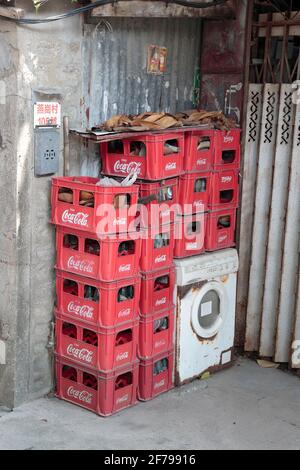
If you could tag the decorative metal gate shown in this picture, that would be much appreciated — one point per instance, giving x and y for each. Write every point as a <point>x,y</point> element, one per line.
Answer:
<point>271,185</point>
<point>269,288</point>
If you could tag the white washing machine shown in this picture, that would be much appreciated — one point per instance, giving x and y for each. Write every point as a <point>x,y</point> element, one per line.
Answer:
<point>206,305</point>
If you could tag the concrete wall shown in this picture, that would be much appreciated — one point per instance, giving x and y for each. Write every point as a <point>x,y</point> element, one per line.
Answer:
<point>43,57</point>
<point>9,58</point>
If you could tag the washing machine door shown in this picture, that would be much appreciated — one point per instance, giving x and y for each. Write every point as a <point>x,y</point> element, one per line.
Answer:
<point>209,310</point>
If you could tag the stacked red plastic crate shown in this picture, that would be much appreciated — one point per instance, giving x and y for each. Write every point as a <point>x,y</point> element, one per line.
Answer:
<point>158,159</point>
<point>156,345</point>
<point>209,191</point>
<point>224,200</point>
<point>98,291</point>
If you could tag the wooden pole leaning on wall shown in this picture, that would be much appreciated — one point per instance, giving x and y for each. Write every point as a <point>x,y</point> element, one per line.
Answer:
<point>66,146</point>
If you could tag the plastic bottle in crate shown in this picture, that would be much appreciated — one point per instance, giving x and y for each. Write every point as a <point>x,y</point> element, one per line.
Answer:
<point>161,283</point>
<point>125,293</point>
<point>126,248</point>
<point>224,222</point>
<point>92,247</point>
<point>91,293</point>
<point>160,367</point>
<point>161,240</point>
<point>160,325</point>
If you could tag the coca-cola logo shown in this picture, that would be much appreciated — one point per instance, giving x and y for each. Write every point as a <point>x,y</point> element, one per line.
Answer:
<point>201,162</point>
<point>123,399</point>
<point>80,395</point>
<point>162,301</point>
<point>81,265</point>
<point>125,268</point>
<point>159,384</point>
<point>160,344</point>
<point>161,259</point>
<point>127,168</point>
<point>122,357</point>
<point>124,313</point>
<point>75,218</point>
<point>171,166</point>
<point>83,354</point>
<point>226,179</point>
<point>228,139</point>
<point>83,311</point>
<point>222,239</point>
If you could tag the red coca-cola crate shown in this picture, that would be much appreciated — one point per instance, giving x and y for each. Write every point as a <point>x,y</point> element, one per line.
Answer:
<point>157,248</point>
<point>156,376</point>
<point>78,202</point>
<point>97,347</point>
<point>163,209</point>
<point>190,236</point>
<point>107,258</point>
<point>156,333</point>
<point>220,230</point>
<point>98,303</point>
<point>154,156</point>
<point>104,393</point>
<point>224,190</point>
<point>194,193</point>
<point>227,151</point>
<point>199,150</point>
<point>157,290</point>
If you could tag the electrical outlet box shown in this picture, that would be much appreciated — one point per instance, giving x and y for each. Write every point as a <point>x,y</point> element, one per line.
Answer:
<point>46,160</point>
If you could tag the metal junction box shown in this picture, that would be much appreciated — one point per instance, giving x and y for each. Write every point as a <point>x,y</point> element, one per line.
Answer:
<point>46,144</point>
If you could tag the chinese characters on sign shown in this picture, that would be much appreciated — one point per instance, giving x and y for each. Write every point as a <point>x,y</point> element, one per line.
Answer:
<point>157,60</point>
<point>47,114</point>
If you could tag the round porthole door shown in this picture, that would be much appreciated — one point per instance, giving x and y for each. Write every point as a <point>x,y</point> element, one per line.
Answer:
<point>209,310</point>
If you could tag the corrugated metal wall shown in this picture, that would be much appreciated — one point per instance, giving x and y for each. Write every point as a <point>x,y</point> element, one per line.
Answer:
<point>115,66</point>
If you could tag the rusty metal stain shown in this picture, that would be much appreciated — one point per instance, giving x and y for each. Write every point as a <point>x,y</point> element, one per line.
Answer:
<point>225,279</point>
<point>206,341</point>
<point>212,370</point>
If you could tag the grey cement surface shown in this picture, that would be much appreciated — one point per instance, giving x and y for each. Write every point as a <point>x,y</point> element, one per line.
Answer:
<point>245,407</point>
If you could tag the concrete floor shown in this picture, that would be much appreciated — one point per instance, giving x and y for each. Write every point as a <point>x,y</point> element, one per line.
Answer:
<point>245,407</point>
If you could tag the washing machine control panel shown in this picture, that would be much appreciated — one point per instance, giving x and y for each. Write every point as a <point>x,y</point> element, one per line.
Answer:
<point>206,267</point>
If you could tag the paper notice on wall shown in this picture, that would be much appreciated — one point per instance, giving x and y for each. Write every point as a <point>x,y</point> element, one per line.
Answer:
<point>47,114</point>
<point>157,60</point>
